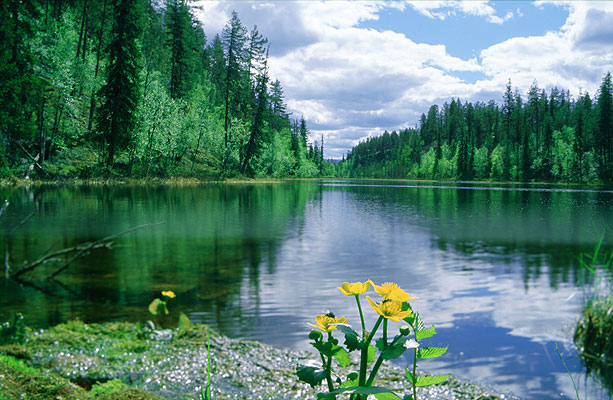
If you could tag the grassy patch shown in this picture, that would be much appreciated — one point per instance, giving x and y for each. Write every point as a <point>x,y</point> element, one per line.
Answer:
<point>594,338</point>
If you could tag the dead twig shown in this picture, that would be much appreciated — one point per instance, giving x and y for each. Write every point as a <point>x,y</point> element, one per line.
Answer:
<point>23,221</point>
<point>91,245</point>
<point>51,257</point>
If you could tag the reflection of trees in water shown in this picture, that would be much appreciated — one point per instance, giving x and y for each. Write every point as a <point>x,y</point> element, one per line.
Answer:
<point>211,250</point>
<point>541,231</point>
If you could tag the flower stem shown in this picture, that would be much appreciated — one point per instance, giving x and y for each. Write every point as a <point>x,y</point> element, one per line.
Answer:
<point>364,355</point>
<point>357,299</point>
<point>414,366</point>
<point>328,368</point>
<point>375,369</point>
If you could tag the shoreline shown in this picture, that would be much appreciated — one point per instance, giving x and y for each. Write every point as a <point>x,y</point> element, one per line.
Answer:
<point>172,363</point>
<point>191,181</point>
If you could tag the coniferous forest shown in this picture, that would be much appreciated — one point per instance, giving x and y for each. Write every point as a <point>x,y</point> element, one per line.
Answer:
<point>135,88</point>
<point>545,136</point>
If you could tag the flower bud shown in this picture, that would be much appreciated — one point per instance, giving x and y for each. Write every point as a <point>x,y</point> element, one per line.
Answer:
<point>405,330</point>
<point>315,335</point>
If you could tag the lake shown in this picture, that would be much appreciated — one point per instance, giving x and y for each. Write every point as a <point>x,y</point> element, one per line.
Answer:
<point>495,265</point>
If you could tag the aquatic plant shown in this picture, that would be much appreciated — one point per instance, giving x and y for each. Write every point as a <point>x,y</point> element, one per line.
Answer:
<point>594,331</point>
<point>160,306</point>
<point>393,306</point>
<point>594,340</point>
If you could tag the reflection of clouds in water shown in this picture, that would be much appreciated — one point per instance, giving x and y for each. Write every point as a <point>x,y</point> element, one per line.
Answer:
<point>498,328</point>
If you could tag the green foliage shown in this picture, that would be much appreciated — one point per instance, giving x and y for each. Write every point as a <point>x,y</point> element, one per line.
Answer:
<point>431,352</point>
<point>394,306</point>
<point>13,332</point>
<point>426,380</point>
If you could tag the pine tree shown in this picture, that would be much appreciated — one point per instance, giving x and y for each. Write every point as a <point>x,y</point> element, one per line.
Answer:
<point>234,39</point>
<point>604,133</point>
<point>120,94</point>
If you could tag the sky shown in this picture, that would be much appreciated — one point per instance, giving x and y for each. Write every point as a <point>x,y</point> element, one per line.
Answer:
<point>354,69</point>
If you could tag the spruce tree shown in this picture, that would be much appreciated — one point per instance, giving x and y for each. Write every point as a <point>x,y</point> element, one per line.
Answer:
<point>120,94</point>
<point>605,127</point>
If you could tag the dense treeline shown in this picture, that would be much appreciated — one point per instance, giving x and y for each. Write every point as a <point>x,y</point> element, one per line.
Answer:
<point>544,137</point>
<point>133,87</point>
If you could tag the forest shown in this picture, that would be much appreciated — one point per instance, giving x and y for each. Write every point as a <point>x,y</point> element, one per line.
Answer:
<point>135,88</point>
<point>125,88</point>
<point>545,137</point>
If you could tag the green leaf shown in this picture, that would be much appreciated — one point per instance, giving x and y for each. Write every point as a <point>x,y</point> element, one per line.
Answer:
<point>431,352</point>
<point>372,354</point>
<point>380,344</point>
<point>352,339</point>
<point>311,375</point>
<point>425,333</point>
<point>326,348</point>
<point>342,356</point>
<point>184,322</point>
<point>387,396</point>
<point>421,380</point>
<point>393,352</point>
<point>158,306</point>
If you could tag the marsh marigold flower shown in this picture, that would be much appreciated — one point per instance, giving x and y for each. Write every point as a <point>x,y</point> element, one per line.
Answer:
<point>326,323</point>
<point>389,309</point>
<point>391,291</point>
<point>355,289</point>
<point>169,293</point>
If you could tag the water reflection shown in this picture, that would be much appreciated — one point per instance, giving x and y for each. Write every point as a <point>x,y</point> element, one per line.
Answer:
<point>495,268</point>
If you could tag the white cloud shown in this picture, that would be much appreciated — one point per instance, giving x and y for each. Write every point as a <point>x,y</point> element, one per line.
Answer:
<point>444,9</point>
<point>346,79</point>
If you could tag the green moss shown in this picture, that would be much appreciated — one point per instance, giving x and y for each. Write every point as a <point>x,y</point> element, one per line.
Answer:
<point>18,379</point>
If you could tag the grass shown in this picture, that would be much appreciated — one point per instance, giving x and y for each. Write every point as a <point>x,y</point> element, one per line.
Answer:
<point>594,339</point>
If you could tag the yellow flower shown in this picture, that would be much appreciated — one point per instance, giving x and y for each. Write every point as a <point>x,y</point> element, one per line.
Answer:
<point>355,289</point>
<point>169,293</point>
<point>326,323</point>
<point>391,291</point>
<point>389,309</point>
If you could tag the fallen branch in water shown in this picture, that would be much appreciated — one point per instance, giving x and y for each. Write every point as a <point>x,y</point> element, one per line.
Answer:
<point>77,252</point>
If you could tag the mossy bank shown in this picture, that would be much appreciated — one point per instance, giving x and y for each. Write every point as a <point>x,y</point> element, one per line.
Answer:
<point>128,361</point>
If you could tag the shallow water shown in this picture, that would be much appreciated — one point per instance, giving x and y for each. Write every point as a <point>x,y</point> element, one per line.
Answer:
<point>495,266</point>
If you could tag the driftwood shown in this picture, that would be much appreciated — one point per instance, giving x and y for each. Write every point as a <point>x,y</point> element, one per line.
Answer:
<point>76,251</point>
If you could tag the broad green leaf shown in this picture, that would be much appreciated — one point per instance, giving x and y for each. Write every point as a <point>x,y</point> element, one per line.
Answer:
<point>342,356</point>
<point>393,352</point>
<point>425,333</point>
<point>352,339</point>
<point>311,375</point>
<point>421,380</point>
<point>431,352</point>
<point>326,348</point>
<point>158,306</point>
<point>184,322</point>
<point>387,396</point>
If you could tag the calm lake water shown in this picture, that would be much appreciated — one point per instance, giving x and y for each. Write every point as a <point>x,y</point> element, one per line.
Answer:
<point>495,266</point>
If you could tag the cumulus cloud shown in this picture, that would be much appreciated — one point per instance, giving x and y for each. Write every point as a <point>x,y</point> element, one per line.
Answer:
<point>444,9</point>
<point>350,80</point>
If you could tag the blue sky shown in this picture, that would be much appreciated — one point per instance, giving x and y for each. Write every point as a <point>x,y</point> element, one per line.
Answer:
<point>357,68</point>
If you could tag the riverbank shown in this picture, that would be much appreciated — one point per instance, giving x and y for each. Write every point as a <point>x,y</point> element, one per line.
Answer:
<point>172,364</point>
